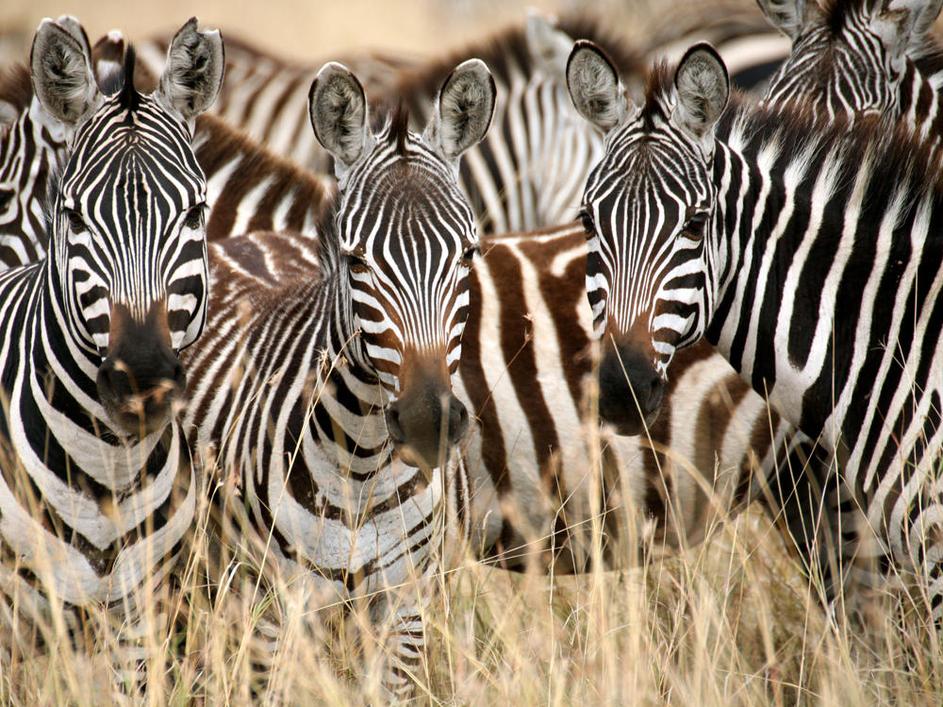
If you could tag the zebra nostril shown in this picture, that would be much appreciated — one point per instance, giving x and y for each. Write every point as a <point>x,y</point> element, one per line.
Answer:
<point>394,425</point>
<point>655,394</point>
<point>458,420</point>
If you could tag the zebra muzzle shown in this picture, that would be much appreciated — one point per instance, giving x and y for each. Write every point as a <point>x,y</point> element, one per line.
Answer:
<point>426,425</point>
<point>141,377</point>
<point>631,390</point>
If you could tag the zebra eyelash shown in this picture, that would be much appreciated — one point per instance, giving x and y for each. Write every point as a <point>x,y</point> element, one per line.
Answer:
<point>76,222</point>
<point>194,218</point>
<point>586,219</point>
<point>470,253</point>
<point>694,228</point>
<point>357,264</point>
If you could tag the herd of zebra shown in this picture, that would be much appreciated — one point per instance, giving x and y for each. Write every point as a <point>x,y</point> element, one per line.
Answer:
<point>529,294</point>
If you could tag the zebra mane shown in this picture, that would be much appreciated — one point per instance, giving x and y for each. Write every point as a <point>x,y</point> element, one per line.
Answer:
<point>328,243</point>
<point>899,163</point>
<point>507,49</point>
<point>399,127</point>
<point>16,88</point>
<point>658,89</point>
<point>835,12</point>
<point>122,82</point>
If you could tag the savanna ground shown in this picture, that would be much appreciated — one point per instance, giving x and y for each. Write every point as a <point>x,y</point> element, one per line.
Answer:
<point>730,622</point>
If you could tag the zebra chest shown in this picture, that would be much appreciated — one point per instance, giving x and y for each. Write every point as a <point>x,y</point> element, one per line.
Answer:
<point>338,501</point>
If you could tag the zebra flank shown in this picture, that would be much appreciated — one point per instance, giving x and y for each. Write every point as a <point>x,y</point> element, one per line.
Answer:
<point>780,223</point>
<point>96,487</point>
<point>525,369</point>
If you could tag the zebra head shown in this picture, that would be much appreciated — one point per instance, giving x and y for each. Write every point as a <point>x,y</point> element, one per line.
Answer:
<point>405,238</point>
<point>127,264</point>
<point>645,208</point>
<point>849,58</point>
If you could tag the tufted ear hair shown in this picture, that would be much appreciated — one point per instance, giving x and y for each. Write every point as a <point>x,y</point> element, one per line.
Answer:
<point>790,17</point>
<point>193,75</point>
<point>595,88</point>
<point>463,110</point>
<point>61,70</point>
<point>72,25</point>
<point>903,24</point>
<point>548,46</point>
<point>702,87</point>
<point>337,107</point>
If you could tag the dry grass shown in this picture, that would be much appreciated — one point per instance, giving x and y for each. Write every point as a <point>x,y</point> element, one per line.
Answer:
<point>731,622</point>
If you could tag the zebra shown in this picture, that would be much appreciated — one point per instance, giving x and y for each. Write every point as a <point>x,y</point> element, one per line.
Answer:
<point>331,395</point>
<point>861,58</point>
<point>848,60</point>
<point>775,221</point>
<point>96,486</point>
<point>265,95</point>
<point>248,188</point>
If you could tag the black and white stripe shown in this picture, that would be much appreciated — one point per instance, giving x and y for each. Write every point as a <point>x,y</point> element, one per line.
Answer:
<point>858,57</point>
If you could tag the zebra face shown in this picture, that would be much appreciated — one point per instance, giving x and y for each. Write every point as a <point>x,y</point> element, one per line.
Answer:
<point>646,209</point>
<point>128,245</point>
<point>406,238</point>
<point>850,58</point>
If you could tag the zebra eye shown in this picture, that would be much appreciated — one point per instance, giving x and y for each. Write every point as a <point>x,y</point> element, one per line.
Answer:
<point>76,223</point>
<point>587,220</point>
<point>357,264</point>
<point>6,196</point>
<point>469,255</point>
<point>695,226</point>
<point>194,218</point>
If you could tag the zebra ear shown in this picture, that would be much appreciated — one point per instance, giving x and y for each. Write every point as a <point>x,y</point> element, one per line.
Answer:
<point>902,24</point>
<point>702,88</point>
<point>548,46</point>
<point>789,16</point>
<point>463,110</point>
<point>193,74</point>
<point>338,110</point>
<point>61,68</point>
<point>595,87</point>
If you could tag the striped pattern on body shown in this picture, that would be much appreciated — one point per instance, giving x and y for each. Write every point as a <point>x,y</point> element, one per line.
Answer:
<point>811,259</point>
<point>294,387</point>
<point>267,96</point>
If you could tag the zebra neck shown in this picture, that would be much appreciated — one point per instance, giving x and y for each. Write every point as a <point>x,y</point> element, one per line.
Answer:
<point>920,96</point>
<point>55,421</point>
<point>755,232</point>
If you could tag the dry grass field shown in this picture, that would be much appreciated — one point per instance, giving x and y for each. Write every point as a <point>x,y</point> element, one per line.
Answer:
<point>730,622</point>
